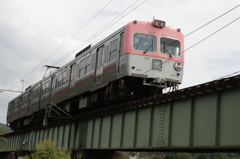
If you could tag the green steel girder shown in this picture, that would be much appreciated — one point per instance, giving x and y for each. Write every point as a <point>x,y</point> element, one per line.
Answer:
<point>201,118</point>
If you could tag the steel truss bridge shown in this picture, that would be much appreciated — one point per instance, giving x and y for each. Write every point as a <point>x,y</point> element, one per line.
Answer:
<point>202,118</point>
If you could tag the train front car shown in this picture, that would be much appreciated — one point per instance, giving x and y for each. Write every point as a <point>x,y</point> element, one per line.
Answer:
<point>154,55</point>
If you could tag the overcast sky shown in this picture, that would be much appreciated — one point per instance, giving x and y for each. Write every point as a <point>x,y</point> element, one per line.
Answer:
<point>50,32</point>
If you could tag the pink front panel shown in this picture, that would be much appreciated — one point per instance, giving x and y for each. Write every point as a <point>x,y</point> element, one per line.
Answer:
<point>148,28</point>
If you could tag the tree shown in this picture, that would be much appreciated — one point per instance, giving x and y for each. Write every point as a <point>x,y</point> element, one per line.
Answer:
<point>49,150</point>
<point>203,156</point>
<point>2,138</point>
<point>2,131</point>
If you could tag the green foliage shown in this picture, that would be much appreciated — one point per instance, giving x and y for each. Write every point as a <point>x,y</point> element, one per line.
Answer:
<point>203,156</point>
<point>2,138</point>
<point>2,131</point>
<point>48,150</point>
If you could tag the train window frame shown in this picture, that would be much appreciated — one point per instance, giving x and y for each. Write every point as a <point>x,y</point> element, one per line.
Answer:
<point>136,42</point>
<point>88,64</point>
<point>113,49</point>
<point>100,54</point>
<point>64,77</point>
<point>15,105</point>
<point>47,87</point>
<point>106,53</point>
<point>43,88</point>
<point>34,92</point>
<point>82,67</point>
<point>93,61</point>
<point>122,36</point>
<point>59,82</point>
<point>37,92</point>
<point>173,41</point>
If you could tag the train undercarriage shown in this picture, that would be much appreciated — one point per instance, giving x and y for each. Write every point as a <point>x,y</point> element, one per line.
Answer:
<point>116,92</point>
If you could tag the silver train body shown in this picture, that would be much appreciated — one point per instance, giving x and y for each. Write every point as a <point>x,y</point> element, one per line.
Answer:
<point>134,62</point>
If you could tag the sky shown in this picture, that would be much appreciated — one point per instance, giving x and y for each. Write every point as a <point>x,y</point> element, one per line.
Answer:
<point>43,32</point>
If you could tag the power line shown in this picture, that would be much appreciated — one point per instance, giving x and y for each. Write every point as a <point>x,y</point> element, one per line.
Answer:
<point>65,42</point>
<point>95,34</point>
<point>171,8</point>
<point>68,39</point>
<point>212,20</point>
<point>101,30</point>
<point>200,28</point>
<point>91,37</point>
<point>228,75</point>
<point>152,9</point>
<point>212,34</point>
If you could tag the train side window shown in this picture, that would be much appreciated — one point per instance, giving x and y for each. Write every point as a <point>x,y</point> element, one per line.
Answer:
<point>47,87</point>
<point>34,92</point>
<point>121,43</point>
<point>88,64</point>
<point>113,50</point>
<point>64,78</point>
<point>76,72</point>
<point>15,104</point>
<point>24,99</point>
<point>99,56</point>
<point>20,100</point>
<point>56,82</point>
<point>82,68</point>
<point>60,80</point>
<point>93,61</point>
<point>43,89</point>
<point>37,92</point>
<point>106,53</point>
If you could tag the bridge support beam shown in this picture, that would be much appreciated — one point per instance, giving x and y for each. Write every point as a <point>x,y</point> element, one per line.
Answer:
<point>106,154</point>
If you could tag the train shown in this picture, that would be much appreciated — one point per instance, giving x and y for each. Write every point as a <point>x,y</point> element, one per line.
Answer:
<point>136,61</point>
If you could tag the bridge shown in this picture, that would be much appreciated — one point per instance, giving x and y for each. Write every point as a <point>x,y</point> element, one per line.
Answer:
<point>202,118</point>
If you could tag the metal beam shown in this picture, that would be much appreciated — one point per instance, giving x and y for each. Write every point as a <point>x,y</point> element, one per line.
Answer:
<point>203,118</point>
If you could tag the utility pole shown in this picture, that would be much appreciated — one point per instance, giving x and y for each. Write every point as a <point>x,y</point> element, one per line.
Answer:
<point>10,91</point>
<point>22,81</point>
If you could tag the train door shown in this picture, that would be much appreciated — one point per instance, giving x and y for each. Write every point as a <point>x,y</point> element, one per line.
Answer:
<point>120,60</point>
<point>53,81</point>
<point>72,79</point>
<point>99,65</point>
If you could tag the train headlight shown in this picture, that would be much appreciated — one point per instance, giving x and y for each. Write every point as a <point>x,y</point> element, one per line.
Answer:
<point>178,66</point>
<point>157,64</point>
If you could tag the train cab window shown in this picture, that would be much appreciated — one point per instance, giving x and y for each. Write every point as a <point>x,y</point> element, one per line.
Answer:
<point>82,68</point>
<point>170,47</point>
<point>88,64</point>
<point>113,50</point>
<point>144,42</point>
<point>64,78</point>
<point>106,53</point>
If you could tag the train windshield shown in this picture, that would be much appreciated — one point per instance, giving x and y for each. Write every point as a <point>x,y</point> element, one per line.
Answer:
<point>170,47</point>
<point>144,42</point>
